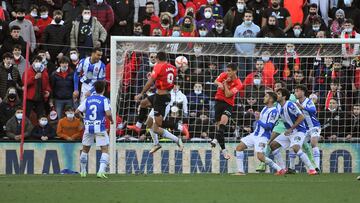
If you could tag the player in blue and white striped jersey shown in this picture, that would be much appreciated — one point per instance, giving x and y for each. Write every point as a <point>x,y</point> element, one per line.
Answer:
<point>259,138</point>
<point>311,120</point>
<point>294,135</point>
<point>88,71</point>
<point>96,108</point>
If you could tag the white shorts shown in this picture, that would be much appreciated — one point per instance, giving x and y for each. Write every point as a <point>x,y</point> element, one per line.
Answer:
<point>84,89</point>
<point>313,132</point>
<point>102,139</point>
<point>256,142</point>
<point>295,138</point>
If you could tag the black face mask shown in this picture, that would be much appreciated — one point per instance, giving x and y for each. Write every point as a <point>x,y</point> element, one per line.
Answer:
<point>165,21</point>
<point>190,13</point>
<point>137,33</point>
<point>187,25</point>
<point>57,20</point>
<point>12,97</point>
<point>312,13</point>
<point>271,27</point>
<point>20,18</point>
<point>275,5</point>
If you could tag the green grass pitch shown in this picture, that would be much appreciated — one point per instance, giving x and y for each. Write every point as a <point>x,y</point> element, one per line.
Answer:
<point>210,188</point>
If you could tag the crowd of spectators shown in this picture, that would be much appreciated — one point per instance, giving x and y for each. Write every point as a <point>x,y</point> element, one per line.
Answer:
<point>62,32</point>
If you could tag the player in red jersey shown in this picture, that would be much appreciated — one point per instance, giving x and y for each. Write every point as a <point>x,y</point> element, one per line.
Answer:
<point>163,75</point>
<point>228,86</point>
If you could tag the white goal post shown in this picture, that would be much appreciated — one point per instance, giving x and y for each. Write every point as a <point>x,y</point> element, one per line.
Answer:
<point>117,53</point>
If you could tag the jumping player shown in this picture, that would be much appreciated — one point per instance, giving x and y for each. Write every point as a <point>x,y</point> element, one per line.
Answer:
<point>228,86</point>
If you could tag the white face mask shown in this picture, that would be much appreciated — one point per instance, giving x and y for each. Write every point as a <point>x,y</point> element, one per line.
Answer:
<point>152,49</point>
<point>316,28</point>
<point>99,1</point>
<point>348,30</point>
<point>43,122</point>
<point>44,16</point>
<point>202,33</point>
<point>151,64</point>
<point>332,110</point>
<point>74,57</point>
<point>240,7</point>
<point>86,17</point>
<point>37,66</point>
<point>19,116</point>
<point>176,34</point>
<point>197,50</point>
<point>33,14</point>
<point>210,1</point>
<point>257,81</point>
<point>297,32</point>
<point>63,68</point>
<point>265,58</point>
<point>347,3</point>
<point>197,92</point>
<point>70,115</point>
<point>247,22</point>
<point>207,15</point>
<point>290,50</point>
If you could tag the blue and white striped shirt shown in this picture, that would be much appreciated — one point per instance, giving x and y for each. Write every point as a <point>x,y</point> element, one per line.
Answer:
<point>90,73</point>
<point>266,122</point>
<point>95,107</point>
<point>310,114</point>
<point>289,113</point>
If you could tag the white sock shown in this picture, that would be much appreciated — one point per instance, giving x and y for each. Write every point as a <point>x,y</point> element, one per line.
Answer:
<point>180,127</point>
<point>240,161</point>
<point>104,161</point>
<point>83,161</point>
<point>169,135</point>
<point>138,124</point>
<point>278,158</point>
<point>292,157</point>
<point>304,158</point>
<point>316,153</point>
<point>154,137</point>
<point>272,164</point>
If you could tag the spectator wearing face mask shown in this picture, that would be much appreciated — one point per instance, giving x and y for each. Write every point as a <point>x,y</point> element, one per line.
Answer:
<point>56,37</point>
<point>312,16</point>
<point>337,23</point>
<point>314,27</point>
<point>62,84</point>
<point>87,33</point>
<point>74,58</point>
<point>8,107</point>
<point>257,88</point>
<point>49,66</point>
<point>197,100</point>
<point>184,7</point>
<point>13,39</point>
<point>296,32</point>
<point>38,87</point>
<point>43,131</point>
<point>42,23</point>
<point>336,94</point>
<point>103,13</point>
<point>123,17</point>
<point>189,12</point>
<point>208,21</point>
<point>290,63</point>
<point>19,60</point>
<point>166,24</point>
<point>271,29</point>
<point>13,126</point>
<point>235,16</point>
<point>26,28</point>
<point>348,33</point>
<point>203,31</point>
<point>188,28</point>
<point>33,16</point>
<point>9,75</point>
<point>69,128</point>
<point>217,8</point>
<point>71,10</point>
<point>282,14</point>
<point>220,29</point>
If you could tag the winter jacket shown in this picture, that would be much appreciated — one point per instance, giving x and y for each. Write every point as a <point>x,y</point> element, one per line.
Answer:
<point>62,85</point>
<point>32,84</point>
<point>13,128</point>
<point>98,32</point>
<point>16,79</point>
<point>26,32</point>
<point>39,131</point>
<point>104,13</point>
<point>8,44</point>
<point>56,34</point>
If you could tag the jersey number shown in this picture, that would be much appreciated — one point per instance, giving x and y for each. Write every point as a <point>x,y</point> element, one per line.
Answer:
<point>93,109</point>
<point>170,78</point>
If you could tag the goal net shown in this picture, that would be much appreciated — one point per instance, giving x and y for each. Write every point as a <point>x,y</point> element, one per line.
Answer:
<point>329,68</point>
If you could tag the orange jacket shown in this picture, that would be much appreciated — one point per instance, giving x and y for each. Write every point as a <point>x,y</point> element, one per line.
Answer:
<point>66,129</point>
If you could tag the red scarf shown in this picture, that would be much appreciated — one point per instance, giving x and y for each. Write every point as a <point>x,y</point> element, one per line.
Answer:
<point>357,78</point>
<point>286,73</point>
<point>348,47</point>
<point>328,98</point>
